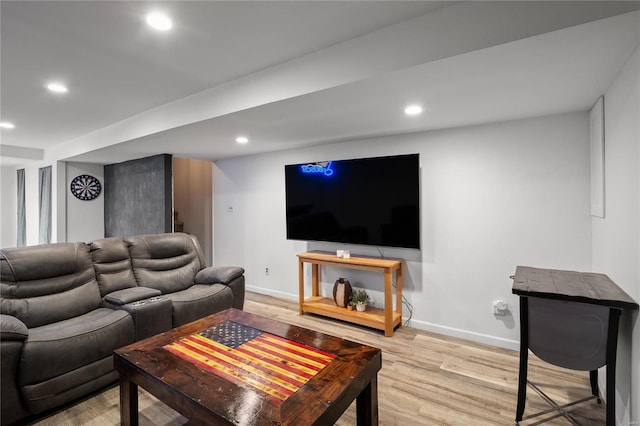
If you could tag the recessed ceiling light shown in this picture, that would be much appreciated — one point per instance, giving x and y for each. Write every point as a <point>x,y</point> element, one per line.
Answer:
<point>159,21</point>
<point>242,139</point>
<point>413,110</point>
<point>57,87</point>
<point>6,125</point>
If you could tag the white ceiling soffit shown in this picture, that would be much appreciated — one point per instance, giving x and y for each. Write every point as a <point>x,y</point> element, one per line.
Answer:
<point>116,67</point>
<point>11,155</point>
<point>557,72</point>
<point>331,66</point>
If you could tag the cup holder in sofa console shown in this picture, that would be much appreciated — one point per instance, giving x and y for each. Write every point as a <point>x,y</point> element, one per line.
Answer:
<point>152,314</point>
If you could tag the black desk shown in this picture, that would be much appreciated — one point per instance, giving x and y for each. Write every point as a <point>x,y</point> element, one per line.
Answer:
<point>569,319</point>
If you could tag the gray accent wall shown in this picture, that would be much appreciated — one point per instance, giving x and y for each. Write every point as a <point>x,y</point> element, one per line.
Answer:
<point>138,197</point>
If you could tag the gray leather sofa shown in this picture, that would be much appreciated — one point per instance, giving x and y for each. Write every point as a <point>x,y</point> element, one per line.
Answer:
<point>65,307</point>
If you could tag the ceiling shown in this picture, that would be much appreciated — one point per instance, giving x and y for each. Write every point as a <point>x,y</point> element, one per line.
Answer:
<point>286,74</point>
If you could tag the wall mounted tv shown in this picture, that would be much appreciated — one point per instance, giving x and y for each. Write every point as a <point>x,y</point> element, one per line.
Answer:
<point>370,201</point>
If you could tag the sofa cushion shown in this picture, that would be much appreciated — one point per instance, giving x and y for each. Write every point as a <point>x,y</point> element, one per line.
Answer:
<point>58,348</point>
<point>199,301</point>
<point>112,264</point>
<point>11,328</point>
<point>196,244</point>
<point>47,283</point>
<point>69,386</point>
<point>168,262</point>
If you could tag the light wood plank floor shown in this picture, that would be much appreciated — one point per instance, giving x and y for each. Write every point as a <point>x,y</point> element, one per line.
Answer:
<point>426,379</point>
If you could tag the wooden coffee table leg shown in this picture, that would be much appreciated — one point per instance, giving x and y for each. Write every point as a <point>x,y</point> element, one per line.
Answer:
<point>128,402</point>
<point>367,404</point>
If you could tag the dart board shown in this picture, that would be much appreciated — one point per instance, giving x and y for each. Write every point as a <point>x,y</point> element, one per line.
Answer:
<point>85,187</point>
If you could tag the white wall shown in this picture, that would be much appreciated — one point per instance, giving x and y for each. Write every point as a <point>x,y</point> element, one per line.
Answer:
<point>32,203</point>
<point>73,219</point>
<point>59,187</point>
<point>8,212</point>
<point>492,197</point>
<point>616,238</point>
<point>85,219</point>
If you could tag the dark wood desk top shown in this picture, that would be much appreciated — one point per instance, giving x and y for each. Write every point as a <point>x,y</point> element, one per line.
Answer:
<point>192,385</point>
<point>573,286</point>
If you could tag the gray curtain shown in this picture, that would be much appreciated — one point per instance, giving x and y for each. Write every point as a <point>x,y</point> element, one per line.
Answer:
<point>45,204</point>
<point>22,217</point>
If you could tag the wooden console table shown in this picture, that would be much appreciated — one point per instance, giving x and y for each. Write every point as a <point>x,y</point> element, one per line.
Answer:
<point>569,319</point>
<point>382,319</point>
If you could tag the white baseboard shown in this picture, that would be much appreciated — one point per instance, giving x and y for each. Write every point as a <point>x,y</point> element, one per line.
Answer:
<point>274,293</point>
<point>421,325</point>
<point>466,334</point>
<point>602,384</point>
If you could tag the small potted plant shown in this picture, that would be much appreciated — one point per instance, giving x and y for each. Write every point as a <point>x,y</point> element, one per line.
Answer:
<point>359,298</point>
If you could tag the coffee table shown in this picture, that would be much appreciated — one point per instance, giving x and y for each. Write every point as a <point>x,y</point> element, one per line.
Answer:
<point>238,368</point>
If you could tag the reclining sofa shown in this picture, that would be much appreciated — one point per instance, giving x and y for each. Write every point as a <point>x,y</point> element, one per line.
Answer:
<point>65,307</point>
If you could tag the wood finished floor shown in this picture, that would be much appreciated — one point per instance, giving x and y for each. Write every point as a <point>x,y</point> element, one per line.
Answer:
<point>426,379</point>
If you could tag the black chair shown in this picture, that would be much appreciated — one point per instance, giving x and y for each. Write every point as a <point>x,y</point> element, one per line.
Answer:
<point>577,336</point>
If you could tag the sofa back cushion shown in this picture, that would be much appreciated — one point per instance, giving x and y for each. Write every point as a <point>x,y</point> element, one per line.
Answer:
<point>167,262</point>
<point>112,263</point>
<point>47,283</point>
<point>198,249</point>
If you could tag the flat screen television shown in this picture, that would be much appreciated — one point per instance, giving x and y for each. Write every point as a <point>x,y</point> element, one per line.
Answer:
<point>370,201</point>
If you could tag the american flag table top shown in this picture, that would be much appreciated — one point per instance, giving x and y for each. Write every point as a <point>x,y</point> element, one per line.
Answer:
<point>272,365</point>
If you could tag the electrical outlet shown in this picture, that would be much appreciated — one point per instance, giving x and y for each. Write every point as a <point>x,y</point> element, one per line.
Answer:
<point>266,270</point>
<point>230,208</point>
<point>500,307</point>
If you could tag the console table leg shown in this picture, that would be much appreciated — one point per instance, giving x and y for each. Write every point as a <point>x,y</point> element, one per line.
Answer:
<point>315,279</point>
<point>388,304</point>
<point>128,402</point>
<point>612,347</point>
<point>367,404</point>
<point>524,357</point>
<point>593,379</point>
<point>300,286</point>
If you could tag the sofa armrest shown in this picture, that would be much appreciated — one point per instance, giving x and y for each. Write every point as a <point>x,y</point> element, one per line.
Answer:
<point>129,295</point>
<point>218,274</point>
<point>11,328</point>
<point>13,334</point>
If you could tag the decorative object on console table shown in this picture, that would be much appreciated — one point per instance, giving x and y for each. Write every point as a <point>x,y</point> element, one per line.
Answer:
<point>342,292</point>
<point>359,299</point>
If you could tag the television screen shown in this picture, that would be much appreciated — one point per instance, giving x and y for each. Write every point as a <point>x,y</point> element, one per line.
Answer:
<point>372,201</point>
